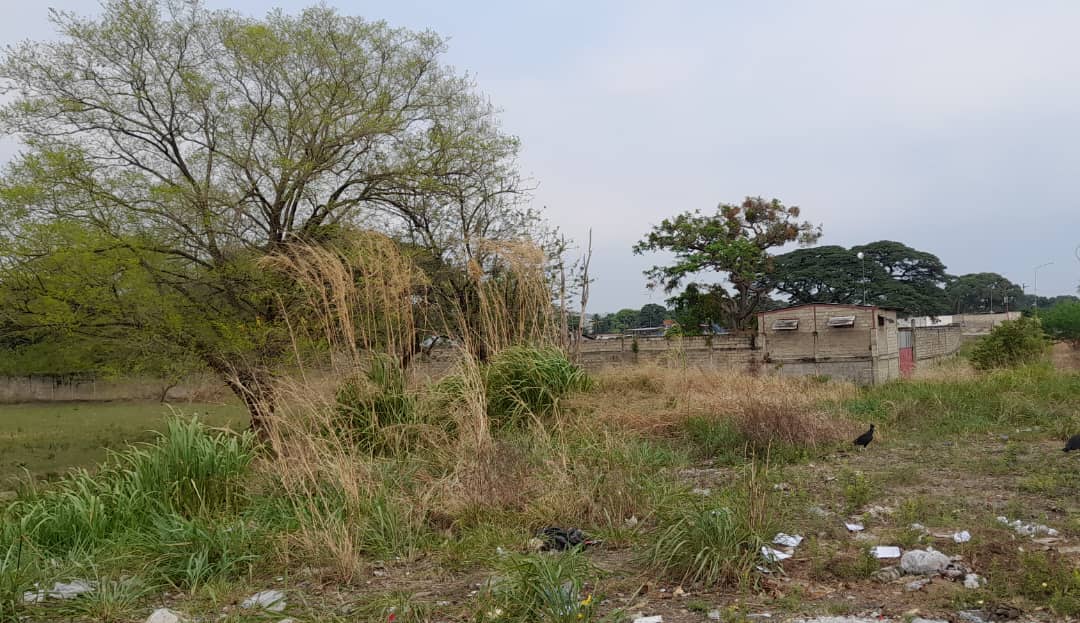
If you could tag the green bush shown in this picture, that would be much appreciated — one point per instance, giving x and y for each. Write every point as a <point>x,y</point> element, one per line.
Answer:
<point>1010,344</point>
<point>1062,322</point>
<point>523,382</point>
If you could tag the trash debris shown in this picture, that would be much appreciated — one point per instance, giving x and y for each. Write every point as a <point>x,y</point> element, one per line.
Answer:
<point>271,601</point>
<point>885,551</point>
<point>817,510</point>
<point>923,562</point>
<point>886,574</point>
<point>701,491</point>
<point>562,539</point>
<point>781,486</point>
<point>879,511</point>
<point>679,592</point>
<point>854,527</point>
<point>1027,529</point>
<point>653,619</point>
<point>918,527</point>
<point>773,555</point>
<point>714,615</point>
<point>961,537</point>
<point>790,540</point>
<point>916,585</point>
<point>632,522</point>
<point>60,590</point>
<point>163,615</point>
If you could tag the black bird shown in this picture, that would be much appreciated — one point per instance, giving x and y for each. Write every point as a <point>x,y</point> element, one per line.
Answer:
<point>865,438</point>
<point>1072,444</point>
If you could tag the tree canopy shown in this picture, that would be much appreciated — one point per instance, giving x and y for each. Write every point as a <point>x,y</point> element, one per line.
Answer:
<point>733,241</point>
<point>168,147</point>
<point>983,292</point>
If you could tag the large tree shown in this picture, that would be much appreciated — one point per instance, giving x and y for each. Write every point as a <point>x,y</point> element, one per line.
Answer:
<point>826,274</point>
<point>186,144</point>
<point>983,292</point>
<point>890,274</point>
<point>734,241</point>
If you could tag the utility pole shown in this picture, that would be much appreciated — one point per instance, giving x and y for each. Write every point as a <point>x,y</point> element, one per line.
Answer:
<point>991,303</point>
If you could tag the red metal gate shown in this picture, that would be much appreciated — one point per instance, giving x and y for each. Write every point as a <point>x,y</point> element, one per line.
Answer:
<point>907,362</point>
<point>907,352</point>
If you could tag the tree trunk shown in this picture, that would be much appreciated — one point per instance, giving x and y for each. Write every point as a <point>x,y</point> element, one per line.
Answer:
<point>254,387</point>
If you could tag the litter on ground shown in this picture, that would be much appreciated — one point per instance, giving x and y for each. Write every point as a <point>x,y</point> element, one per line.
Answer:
<point>961,537</point>
<point>790,540</point>
<point>854,527</point>
<point>1027,529</point>
<point>773,555</point>
<point>886,551</point>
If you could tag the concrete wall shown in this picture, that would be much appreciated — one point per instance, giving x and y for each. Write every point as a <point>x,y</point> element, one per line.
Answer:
<point>16,389</point>
<point>720,352</point>
<point>936,342</point>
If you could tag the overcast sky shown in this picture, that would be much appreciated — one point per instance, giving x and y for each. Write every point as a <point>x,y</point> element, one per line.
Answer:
<point>951,126</point>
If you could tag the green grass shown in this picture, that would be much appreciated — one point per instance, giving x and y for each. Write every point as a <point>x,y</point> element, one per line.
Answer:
<point>1031,396</point>
<point>47,440</point>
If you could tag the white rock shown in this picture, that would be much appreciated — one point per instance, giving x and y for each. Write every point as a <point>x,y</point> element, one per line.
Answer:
<point>961,537</point>
<point>923,562</point>
<point>714,615</point>
<point>287,621</point>
<point>916,585</point>
<point>163,615</point>
<point>702,491</point>
<point>972,580</point>
<point>653,619</point>
<point>272,600</point>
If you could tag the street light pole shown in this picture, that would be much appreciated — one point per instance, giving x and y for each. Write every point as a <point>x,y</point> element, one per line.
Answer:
<point>991,304</point>
<point>1035,287</point>
<point>862,268</point>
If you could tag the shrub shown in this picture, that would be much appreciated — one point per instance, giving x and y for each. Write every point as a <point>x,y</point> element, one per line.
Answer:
<point>1062,322</point>
<point>525,381</point>
<point>1010,344</point>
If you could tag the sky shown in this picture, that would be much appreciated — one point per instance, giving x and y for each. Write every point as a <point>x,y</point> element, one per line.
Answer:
<point>952,126</point>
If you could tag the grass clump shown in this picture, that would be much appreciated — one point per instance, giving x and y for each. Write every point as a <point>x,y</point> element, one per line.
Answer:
<point>171,510</point>
<point>716,543</point>
<point>523,382</point>
<point>1011,343</point>
<point>538,587</point>
<point>378,410</point>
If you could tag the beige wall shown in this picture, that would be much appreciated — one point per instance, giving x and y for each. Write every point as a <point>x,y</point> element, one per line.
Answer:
<point>936,342</point>
<point>16,389</point>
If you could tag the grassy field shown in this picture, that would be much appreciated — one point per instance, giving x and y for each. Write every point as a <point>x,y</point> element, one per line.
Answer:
<point>418,505</point>
<point>47,439</point>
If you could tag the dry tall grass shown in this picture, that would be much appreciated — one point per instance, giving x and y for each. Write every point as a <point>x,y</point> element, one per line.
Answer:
<point>369,308</point>
<point>660,400</point>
